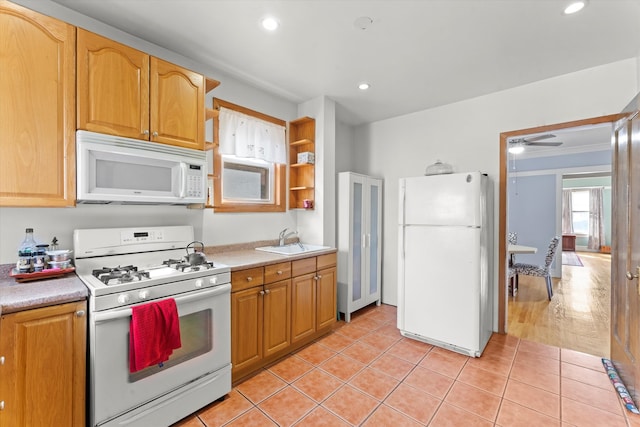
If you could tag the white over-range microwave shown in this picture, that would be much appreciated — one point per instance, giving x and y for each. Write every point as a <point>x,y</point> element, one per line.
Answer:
<point>112,169</point>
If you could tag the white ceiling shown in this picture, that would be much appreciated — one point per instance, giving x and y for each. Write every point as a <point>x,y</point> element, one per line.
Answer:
<point>416,54</point>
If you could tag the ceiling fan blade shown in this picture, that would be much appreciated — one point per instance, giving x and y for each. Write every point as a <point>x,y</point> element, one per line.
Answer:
<point>542,144</point>
<point>539,137</point>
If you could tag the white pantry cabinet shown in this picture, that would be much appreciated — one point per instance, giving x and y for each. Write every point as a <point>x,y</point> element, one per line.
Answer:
<point>359,241</point>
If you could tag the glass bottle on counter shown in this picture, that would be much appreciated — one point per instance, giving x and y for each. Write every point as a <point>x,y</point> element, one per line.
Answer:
<point>26,252</point>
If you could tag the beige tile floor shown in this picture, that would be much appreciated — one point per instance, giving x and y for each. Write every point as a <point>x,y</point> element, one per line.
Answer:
<point>366,374</point>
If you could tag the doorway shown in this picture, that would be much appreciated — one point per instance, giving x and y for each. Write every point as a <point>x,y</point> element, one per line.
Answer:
<point>503,199</point>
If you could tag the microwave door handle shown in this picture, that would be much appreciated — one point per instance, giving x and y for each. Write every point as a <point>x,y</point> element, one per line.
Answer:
<point>183,180</point>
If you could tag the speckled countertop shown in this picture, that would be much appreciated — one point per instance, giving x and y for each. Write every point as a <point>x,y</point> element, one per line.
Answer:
<point>16,296</point>
<point>242,256</point>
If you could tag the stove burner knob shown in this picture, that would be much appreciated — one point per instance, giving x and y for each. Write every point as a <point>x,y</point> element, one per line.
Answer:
<point>124,299</point>
<point>199,283</point>
<point>213,280</point>
<point>144,294</point>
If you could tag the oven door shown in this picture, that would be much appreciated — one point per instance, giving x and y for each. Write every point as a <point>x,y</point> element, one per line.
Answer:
<point>205,331</point>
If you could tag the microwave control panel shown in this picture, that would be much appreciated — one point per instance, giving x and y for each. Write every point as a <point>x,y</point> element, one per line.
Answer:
<point>195,181</point>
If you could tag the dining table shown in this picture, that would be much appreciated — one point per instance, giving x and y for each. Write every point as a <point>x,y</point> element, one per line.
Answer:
<point>513,249</point>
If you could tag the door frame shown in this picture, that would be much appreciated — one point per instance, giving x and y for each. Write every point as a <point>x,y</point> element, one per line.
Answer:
<point>502,196</point>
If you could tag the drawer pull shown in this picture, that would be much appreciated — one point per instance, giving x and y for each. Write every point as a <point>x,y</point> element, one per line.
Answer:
<point>279,272</point>
<point>249,278</point>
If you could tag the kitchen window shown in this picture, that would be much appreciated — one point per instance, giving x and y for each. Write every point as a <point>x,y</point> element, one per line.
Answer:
<point>249,160</point>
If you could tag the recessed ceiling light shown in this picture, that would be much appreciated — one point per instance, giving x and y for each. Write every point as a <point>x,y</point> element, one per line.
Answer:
<point>574,7</point>
<point>270,24</point>
<point>364,86</point>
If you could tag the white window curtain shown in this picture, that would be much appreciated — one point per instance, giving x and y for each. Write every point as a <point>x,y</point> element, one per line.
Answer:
<point>246,136</point>
<point>567,209</point>
<point>596,217</point>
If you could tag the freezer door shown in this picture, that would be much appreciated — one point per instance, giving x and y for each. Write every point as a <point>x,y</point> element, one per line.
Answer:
<point>439,289</point>
<point>453,199</point>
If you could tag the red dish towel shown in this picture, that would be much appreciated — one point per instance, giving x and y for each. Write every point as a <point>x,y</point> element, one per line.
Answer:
<point>154,333</point>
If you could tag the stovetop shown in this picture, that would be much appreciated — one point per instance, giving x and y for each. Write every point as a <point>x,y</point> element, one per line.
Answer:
<point>117,261</point>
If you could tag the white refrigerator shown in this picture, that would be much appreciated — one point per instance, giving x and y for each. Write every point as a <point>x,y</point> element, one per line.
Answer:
<point>445,261</point>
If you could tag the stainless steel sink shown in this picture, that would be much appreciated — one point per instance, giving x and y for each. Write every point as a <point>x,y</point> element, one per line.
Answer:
<point>292,249</point>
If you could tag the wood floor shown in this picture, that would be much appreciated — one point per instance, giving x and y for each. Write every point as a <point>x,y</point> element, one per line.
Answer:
<point>578,316</point>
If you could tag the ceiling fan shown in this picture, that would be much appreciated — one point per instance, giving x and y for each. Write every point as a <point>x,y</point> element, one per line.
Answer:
<point>536,140</point>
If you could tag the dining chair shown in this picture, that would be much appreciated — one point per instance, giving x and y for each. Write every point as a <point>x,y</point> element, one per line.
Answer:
<point>540,270</point>
<point>512,238</point>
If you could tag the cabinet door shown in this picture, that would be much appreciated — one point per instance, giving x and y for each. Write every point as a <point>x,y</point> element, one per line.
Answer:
<point>303,306</point>
<point>177,105</point>
<point>357,266</point>
<point>246,327</point>
<point>277,315</point>
<point>113,87</point>
<point>373,247</point>
<point>43,374</point>
<point>326,297</point>
<point>37,112</point>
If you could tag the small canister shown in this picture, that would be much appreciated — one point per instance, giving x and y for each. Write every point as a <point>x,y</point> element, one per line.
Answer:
<point>40,258</point>
<point>24,263</point>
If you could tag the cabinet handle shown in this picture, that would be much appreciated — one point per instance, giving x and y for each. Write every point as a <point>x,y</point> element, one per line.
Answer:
<point>261,292</point>
<point>80,313</point>
<point>1,405</point>
<point>145,132</point>
<point>267,292</point>
<point>155,134</point>
<point>279,272</point>
<point>1,360</point>
<point>249,278</point>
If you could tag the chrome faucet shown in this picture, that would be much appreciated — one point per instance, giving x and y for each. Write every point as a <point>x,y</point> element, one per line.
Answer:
<point>283,236</point>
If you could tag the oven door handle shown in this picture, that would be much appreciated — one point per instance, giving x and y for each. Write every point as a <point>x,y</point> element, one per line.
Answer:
<point>190,297</point>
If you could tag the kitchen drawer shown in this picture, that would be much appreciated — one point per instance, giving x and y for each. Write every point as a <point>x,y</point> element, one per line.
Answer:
<point>303,266</point>
<point>275,272</point>
<point>245,279</point>
<point>328,260</point>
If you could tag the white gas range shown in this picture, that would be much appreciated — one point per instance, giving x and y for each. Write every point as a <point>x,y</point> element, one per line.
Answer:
<point>131,266</point>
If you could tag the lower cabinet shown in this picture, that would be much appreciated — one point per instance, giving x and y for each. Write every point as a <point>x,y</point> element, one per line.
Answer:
<point>313,295</point>
<point>42,366</point>
<point>278,308</point>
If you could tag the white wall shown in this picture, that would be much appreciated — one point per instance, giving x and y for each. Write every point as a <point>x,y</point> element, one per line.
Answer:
<point>466,135</point>
<point>318,226</point>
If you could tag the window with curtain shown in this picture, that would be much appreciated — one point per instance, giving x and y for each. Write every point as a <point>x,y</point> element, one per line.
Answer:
<point>249,160</point>
<point>580,211</point>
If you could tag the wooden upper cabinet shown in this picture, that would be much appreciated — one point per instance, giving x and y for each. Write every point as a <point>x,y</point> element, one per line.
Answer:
<point>37,109</point>
<point>113,87</point>
<point>125,92</point>
<point>177,105</point>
